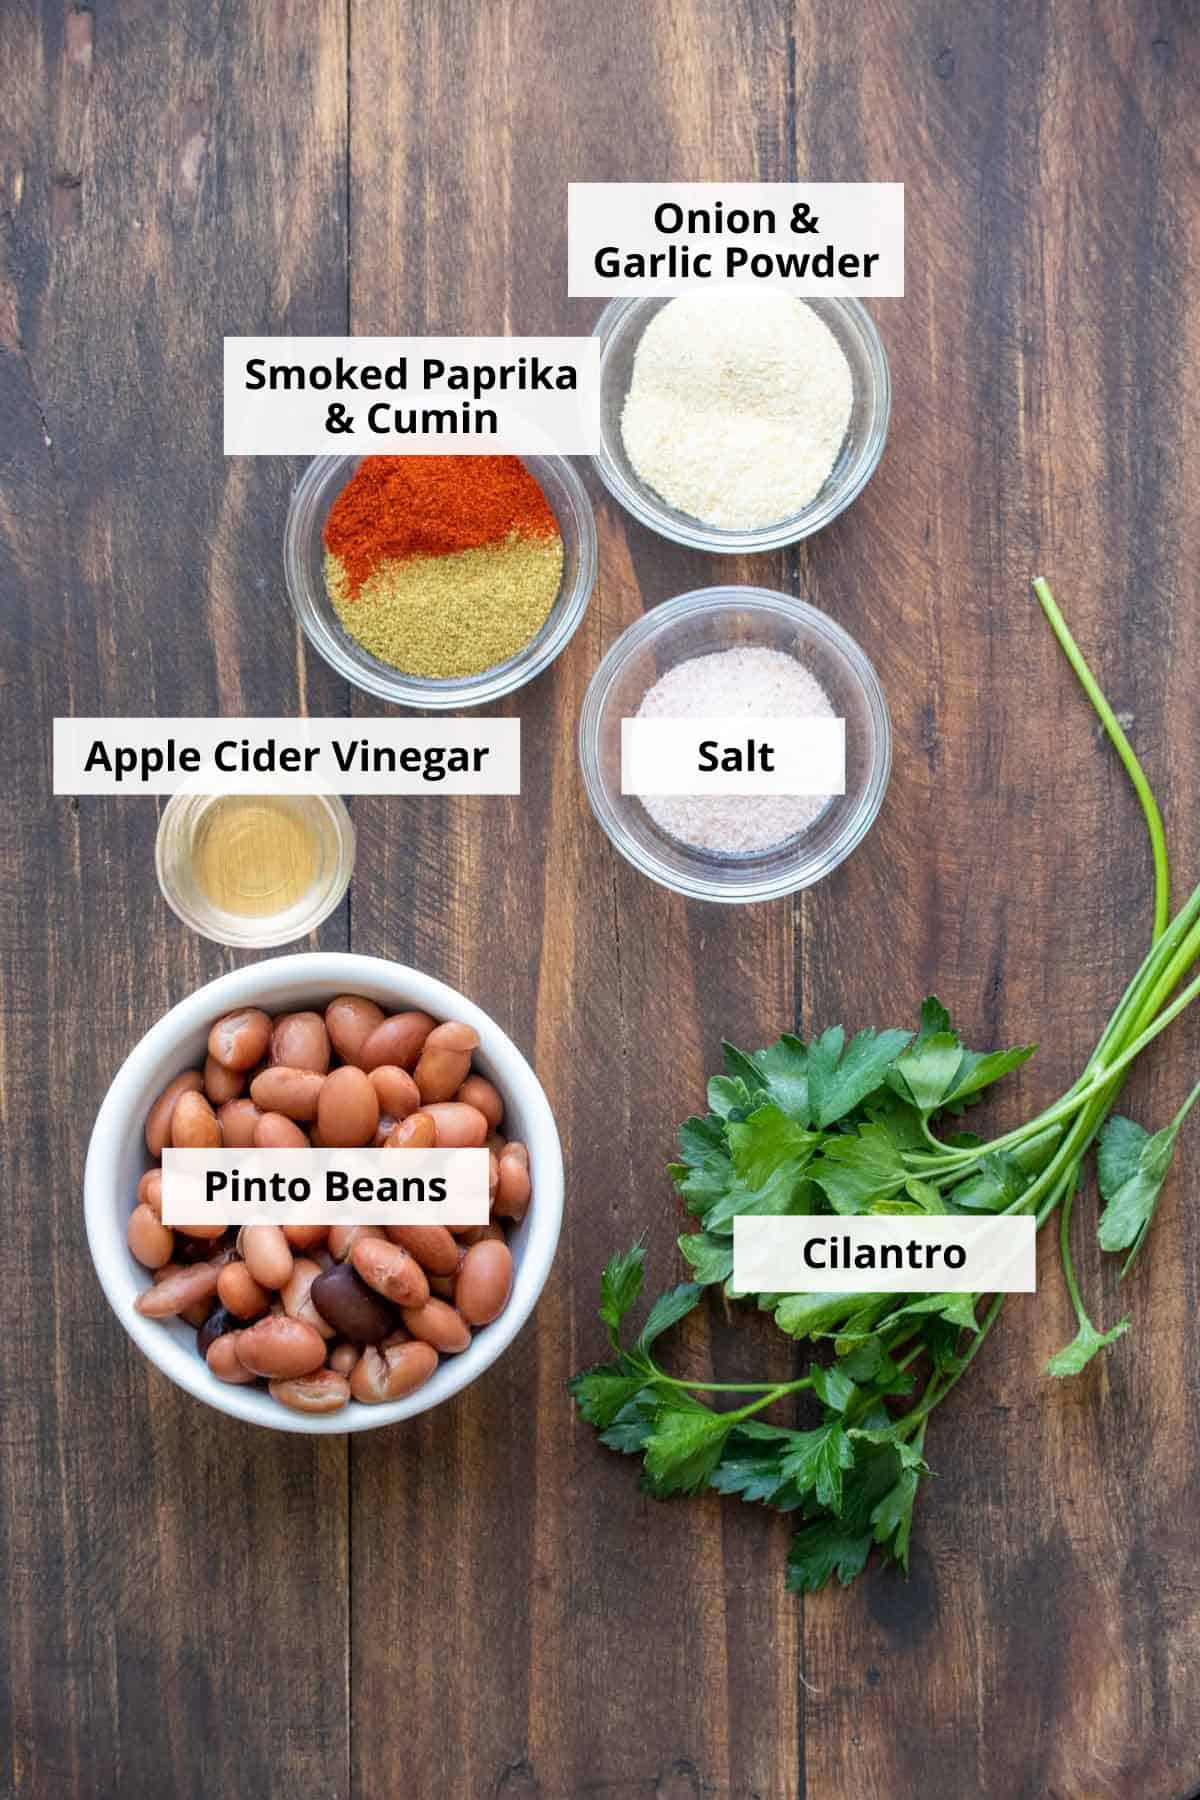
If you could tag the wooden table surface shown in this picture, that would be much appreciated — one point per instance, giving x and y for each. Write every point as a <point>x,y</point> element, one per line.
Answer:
<point>482,1604</point>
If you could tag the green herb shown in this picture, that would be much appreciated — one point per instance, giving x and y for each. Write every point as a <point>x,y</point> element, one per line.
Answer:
<point>836,1127</point>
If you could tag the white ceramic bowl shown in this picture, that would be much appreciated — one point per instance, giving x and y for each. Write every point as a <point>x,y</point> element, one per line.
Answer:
<point>117,1156</point>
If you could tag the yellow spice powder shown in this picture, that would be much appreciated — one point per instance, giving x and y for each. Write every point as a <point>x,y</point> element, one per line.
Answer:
<point>460,614</point>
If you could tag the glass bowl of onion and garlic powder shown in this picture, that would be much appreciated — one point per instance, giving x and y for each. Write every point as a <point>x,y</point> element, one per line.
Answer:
<point>742,419</point>
<point>498,584</point>
<point>736,652</point>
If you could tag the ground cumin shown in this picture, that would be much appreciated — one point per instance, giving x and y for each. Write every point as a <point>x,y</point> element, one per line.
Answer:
<point>442,565</point>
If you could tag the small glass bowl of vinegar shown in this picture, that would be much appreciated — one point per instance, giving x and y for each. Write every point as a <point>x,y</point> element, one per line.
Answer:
<point>254,870</point>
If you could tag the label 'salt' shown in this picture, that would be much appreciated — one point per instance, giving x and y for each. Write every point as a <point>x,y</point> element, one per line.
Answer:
<point>733,756</point>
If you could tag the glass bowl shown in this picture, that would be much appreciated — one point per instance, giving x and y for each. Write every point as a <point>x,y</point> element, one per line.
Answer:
<point>620,327</point>
<point>698,624</point>
<point>303,567</point>
<point>186,818</point>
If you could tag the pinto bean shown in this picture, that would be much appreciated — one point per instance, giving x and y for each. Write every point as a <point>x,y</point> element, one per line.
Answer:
<point>480,1093</point>
<point>343,1357</point>
<point>432,1245</point>
<point>237,1119</point>
<point>437,1323</point>
<point>350,1307</point>
<point>224,1361</point>
<point>397,1091</point>
<point>158,1119</point>
<point>484,1282</point>
<point>417,1132</point>
<point>299,1040</point>
<point>218,1322</point>
<point>297,1300</point>
<point>391,1373</point>
<point>391,1271</point>
<point>348,1109</point>
<point>149,1191</point>
<point>268,1254</point>
<point>240,1039</point>
<point>350,1020</point>
<point>194,1124</point>
<point>240,1294</point>
<point>342,1238</point>
<point>292,1092</point>
<point>398,1039</point>
<point>441,1072</point>
<point>458,1126</point>
<point>305,1237</point>
<point>148,1238</point>
<point>513,1187</point>
<point>221,1084</point>
<point>280,1348</point>
<point>324,1391</point>
<point>177,1289</point>
<point>274,1131</point>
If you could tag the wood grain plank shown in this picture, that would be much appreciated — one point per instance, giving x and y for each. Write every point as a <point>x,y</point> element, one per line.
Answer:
<point>591,1641</point>
<point>1044,402</point>
<point>166,178</point>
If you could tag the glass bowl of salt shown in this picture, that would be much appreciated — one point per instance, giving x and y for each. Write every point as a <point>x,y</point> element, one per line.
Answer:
<point>728,654</point>
<point>739,421</point>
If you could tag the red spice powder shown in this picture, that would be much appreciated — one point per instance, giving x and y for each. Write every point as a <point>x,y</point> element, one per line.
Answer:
<point>398,506</point>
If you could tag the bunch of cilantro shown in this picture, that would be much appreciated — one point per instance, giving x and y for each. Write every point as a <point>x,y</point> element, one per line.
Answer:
<point>866,1127</point>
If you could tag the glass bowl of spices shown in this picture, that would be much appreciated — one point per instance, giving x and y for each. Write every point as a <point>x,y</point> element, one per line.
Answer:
<point>729,653</point>
<point>739,422</point>
<point>440,581</point>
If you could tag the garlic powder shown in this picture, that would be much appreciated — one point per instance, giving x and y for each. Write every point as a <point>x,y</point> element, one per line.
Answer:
<point>737,407</point>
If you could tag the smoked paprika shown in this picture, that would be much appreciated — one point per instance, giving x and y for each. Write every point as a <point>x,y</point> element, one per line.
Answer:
<point>398,506</point>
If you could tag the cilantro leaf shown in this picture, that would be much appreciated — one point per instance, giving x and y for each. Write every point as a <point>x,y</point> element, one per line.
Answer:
<point>602,1392</point>
<point>824,1549</point>
<point>998,1180</point>
<point>831,1546</point>
<point>1132,1166</point>
<point>976,1072</point>
<point>728,1094</point>
<point>632,1425</point>
<point>810,1315</point>
<point>934,1019</point>
<point>783,1070</point>
<point>927,1069</point>
<point>741,1067</point>
<point>768,1141</point>
<point>892,1517</point>
<point>1083,1346</point>
<point>818,1461</point>
<point>699,1138</point>
<point>667,1310</point>
<point>683,1449</point>
<point>711,1258</point>
<point>834,1387</point>
<point>840,1075</point>
<point>620,1285</point>
<point>859,1168</point>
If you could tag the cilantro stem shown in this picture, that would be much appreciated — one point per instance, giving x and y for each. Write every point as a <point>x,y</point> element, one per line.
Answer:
<point>733,1387</point>
<point>1068,1261</point>
<point>1124,749</point>
<point>922,1412</point>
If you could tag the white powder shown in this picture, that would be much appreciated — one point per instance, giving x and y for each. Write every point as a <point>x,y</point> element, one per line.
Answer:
<point>750,683</point>
<point>737,407</point>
